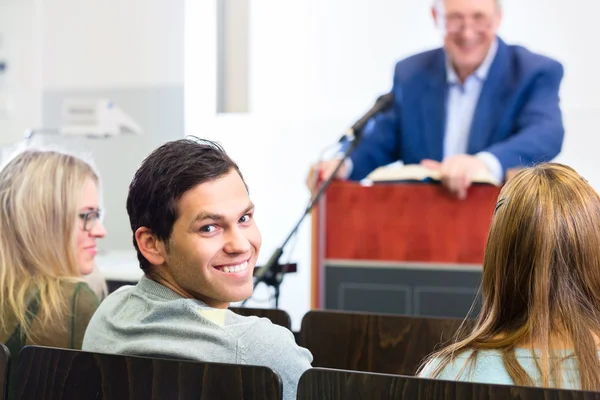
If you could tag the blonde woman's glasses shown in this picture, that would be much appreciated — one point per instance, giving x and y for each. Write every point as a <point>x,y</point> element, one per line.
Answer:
<point>90,219</point>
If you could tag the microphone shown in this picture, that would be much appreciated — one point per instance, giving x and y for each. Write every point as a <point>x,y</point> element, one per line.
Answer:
<point>382,103</point>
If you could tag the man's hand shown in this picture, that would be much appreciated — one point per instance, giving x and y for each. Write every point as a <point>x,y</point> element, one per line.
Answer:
<point>323,170</point>
<point>457,172</point>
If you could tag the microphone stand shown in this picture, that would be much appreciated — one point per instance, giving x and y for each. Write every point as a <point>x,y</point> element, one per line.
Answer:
<point>272,272</point>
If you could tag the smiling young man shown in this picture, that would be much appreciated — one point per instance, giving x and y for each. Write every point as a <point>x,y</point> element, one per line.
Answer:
<point>197,242</point>
<point>474,105</point>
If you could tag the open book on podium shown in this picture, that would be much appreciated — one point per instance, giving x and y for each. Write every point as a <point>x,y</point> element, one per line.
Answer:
<point>418,173</point>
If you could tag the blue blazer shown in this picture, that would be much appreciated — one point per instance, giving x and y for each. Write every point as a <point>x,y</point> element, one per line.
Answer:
<point>517,118</point>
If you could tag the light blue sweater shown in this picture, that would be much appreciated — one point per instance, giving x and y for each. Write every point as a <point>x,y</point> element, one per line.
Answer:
<point>489,368</point>
<point>151,320</point>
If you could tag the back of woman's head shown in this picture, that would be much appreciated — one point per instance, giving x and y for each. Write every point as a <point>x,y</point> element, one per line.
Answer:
<point>541,269</point>
<point>39,199</point>
<point>541,275</point>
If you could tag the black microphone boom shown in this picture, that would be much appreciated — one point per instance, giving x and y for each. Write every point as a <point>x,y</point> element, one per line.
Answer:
<point>382,103</point>
<point>268,273</point>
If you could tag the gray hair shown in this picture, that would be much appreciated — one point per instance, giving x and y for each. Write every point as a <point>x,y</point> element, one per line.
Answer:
<point>439,4</point>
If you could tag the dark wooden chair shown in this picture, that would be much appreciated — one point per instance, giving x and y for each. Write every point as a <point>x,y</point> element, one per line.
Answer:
<point>49,373</point>
<point>4,370</point>
<point>329,384</point>
<point>276,316</point>
<point>392,344</point>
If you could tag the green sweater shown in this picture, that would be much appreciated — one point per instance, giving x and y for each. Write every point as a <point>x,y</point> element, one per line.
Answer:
<point>67,333</point>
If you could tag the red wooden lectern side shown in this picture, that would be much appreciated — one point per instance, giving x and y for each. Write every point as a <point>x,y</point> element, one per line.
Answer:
<point>411,222</point>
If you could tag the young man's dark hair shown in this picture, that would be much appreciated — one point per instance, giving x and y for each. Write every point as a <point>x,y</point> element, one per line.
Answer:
<point>164,176</point>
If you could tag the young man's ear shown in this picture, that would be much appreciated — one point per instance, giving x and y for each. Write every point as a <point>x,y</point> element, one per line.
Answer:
<point>150,246</point>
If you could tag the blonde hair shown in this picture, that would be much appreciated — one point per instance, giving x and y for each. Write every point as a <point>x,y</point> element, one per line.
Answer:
<point>39,195</point>
<point>541,279</point>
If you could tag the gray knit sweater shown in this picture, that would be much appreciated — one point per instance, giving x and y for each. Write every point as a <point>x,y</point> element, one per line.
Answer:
<point>151,320</point>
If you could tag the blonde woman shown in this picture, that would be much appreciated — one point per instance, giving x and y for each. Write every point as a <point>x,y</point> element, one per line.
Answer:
<point>49,224</point>
<point>540,319</point>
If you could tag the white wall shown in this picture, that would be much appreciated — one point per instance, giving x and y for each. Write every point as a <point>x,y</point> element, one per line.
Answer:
<point>329,58</point>
<point>112,43</point>
<point>20,48</point>
<point>316,65</point>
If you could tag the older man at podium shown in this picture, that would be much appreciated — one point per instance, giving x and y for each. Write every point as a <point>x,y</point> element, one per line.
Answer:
<point>477,105</point>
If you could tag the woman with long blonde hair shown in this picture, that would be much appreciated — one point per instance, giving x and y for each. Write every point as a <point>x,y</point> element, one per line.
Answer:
<point>540,319</point>
<point>49,223</point>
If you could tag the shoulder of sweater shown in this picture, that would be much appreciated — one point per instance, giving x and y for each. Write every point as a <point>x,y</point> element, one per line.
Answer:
<point>462,368</point>
<point>489,366</point>
<point>263,325</point>
<point>234,320</point>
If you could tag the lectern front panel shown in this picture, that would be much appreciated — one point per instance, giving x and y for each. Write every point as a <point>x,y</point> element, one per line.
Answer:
<point>402,288</point>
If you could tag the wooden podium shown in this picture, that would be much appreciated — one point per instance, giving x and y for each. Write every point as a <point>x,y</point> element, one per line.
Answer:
<point>407,248</point>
